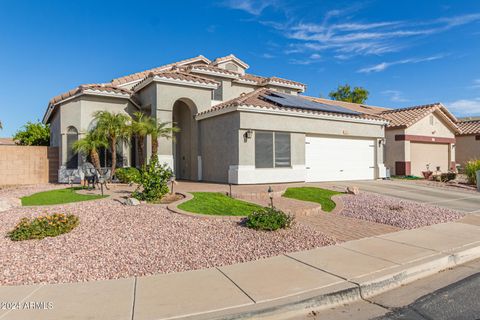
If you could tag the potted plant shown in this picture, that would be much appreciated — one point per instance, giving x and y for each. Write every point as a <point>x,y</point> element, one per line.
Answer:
<point>428,173</point>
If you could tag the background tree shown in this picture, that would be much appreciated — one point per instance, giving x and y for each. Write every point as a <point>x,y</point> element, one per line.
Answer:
<point>163,130</point>
<point>142,126</point>
<point>115,127</point>
<point>90,145</point>
<point>1,126</point>
<point>345,93</point>
<point>33,134</point>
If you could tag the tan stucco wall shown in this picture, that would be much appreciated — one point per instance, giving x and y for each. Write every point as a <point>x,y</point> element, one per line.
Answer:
<point>219,139</point>
<point>27,165</point>
<point>467,148</point>
<point>424,128</point>
<point>395,150</point>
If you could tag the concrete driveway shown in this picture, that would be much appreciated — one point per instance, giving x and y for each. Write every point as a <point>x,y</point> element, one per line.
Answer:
<point>458,200</point>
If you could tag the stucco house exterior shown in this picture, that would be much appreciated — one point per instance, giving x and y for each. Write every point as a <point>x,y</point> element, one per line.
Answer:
<point>236,127</point>
<point>468,141</point>
<point>420,136</point>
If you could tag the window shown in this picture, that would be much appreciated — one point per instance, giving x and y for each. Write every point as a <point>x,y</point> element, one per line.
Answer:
<point>272,149</point>
<point>72,157</point>
<point>217,94</point>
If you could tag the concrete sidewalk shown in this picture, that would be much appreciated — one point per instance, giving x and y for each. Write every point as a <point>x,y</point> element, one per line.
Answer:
<point>272,288</point>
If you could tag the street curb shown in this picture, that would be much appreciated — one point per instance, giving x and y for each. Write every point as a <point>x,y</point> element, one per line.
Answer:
<point>361,288</point>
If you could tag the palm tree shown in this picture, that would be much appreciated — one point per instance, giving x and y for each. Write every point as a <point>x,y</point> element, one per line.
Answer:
<point>142,126</point>
<point>90,145</point>
<point>163,130</point>
<point>115,128</point>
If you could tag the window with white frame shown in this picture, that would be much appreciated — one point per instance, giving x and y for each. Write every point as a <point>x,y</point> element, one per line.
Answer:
<point>272,149</point>
<point>217,94</point>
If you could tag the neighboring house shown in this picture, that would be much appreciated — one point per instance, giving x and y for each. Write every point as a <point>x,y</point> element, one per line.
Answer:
<point>235,127</point>
<point>7,142</point>
<point>468,141</point>
<point>418,137</point>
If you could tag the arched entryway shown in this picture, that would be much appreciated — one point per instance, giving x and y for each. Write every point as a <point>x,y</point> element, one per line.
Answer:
<point>185,143</point>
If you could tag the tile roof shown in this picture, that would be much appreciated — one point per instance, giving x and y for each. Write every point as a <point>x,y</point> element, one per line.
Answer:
<point>405,117</point>
<point>176,75</point>
<point>363,108</point>
<point>262,81</point>
<point>228,58</point>
<point>211,68</point>
<point>90,87</point>
<point>256,99</point>
<point>143,74</point>
<point>469,127</point>
<point>7,142</point>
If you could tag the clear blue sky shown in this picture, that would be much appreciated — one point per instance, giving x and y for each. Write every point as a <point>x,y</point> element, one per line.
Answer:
<point>404,52</point>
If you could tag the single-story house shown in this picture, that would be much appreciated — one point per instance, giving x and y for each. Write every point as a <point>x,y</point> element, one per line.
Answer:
<point>420,138</point>
<point>236,127</point>
<point>468,141</point>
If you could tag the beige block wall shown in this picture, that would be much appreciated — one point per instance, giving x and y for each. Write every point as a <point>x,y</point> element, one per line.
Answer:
<point>27,165</point>
<point>467,148</point>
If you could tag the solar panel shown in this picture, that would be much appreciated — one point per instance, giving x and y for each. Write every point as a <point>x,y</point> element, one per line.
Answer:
<point>289,101</point>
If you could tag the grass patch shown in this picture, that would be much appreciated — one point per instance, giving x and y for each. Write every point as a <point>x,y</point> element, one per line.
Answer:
<point>407,177</point>
<point>58,196</point>
<point>318,195</point>
<point>215,203</point>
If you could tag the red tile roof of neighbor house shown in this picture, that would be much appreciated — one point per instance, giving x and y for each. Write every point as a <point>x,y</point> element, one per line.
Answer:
<point>363,108</point>
<point>256,99</point>
<point>468,127</point>
<point>7,142</point>
<point>405,117</point>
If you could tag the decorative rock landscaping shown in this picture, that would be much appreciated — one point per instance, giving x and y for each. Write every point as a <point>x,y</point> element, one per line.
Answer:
<point>395,212</point>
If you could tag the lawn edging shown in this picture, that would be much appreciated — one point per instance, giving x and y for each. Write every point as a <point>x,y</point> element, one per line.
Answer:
<point>173,207</point>
<point>338,203</point>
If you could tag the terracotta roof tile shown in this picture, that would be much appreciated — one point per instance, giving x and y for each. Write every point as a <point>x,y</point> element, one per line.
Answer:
<point>363,108</point>
<point>212,69</point>
<point>405,117</point>
<point>256,99</point>
<point>92,87</point>
<point>7,142</point>
<point>469,127</point>
<point>176,75</point>
<point>261,81</point>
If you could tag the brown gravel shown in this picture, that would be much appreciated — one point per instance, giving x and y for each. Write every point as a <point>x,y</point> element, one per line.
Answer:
<point>395,212</point>
<point>115,241</point>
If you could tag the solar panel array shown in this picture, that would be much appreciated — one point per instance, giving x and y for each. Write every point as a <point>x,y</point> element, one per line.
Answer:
<point>290,101</point>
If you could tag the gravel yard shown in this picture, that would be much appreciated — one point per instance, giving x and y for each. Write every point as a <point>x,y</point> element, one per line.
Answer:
<point>395,212</point>
<point>115,241</point>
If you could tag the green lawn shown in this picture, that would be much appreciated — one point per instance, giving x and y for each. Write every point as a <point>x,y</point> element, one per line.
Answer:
<point>59,196</point>
<point>214,203</point>
<point>407,177</point>
<point>318,195</point>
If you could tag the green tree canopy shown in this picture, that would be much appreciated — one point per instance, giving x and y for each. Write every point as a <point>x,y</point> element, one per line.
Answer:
<point>33,134</point>
<point>345,93</point>
<point>89,145</point>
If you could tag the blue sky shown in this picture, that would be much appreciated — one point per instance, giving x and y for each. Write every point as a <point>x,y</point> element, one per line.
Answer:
<point>404,52</point>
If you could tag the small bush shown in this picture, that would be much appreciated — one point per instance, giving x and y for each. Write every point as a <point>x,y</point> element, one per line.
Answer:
<point>152,181</point>
<point>45,226</point>
<point>127,175</point>
<point>269,219</point>
<point>471,168</point>
<point>445,177</point>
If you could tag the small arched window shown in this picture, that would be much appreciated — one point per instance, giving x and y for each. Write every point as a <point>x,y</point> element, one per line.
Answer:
<point>72,156</point>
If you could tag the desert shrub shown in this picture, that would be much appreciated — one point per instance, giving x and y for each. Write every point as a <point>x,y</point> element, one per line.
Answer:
<point>269,219</point>
<point>471,168</point>
<point>152,181</point>
<point>127,175</point>
<point>448,176</point>
<point>44,226</point>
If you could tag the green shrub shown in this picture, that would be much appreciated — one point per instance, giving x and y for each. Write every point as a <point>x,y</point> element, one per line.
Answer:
<point>127,175</point>
<point>444,177</point>
<point>269,219</point>
<point>152,181</point>
<point>471,168</point>
<point>44,226</point>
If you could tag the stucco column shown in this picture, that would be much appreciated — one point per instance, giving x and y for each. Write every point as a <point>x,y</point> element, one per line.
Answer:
<point>63,160</point>
<point>165,146</point>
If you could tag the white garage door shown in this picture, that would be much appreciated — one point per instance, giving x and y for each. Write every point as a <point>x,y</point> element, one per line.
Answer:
<point>336,159</point>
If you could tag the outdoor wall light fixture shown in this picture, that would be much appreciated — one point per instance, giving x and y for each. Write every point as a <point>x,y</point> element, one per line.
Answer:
<point>270,195</point>
<point>249,134</point>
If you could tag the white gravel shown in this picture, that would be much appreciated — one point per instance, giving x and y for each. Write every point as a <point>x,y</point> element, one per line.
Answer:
<point>395,212</point>
<point>115,241</point>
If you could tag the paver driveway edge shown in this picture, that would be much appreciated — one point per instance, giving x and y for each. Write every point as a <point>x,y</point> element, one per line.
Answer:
<point>313,280</point>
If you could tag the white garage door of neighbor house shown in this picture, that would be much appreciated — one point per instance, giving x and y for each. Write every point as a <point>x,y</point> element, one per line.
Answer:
<point>337,159</point>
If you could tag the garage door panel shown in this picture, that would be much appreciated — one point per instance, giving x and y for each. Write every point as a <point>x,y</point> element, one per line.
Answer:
<point>335,159</point>
<point>435,154</point>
